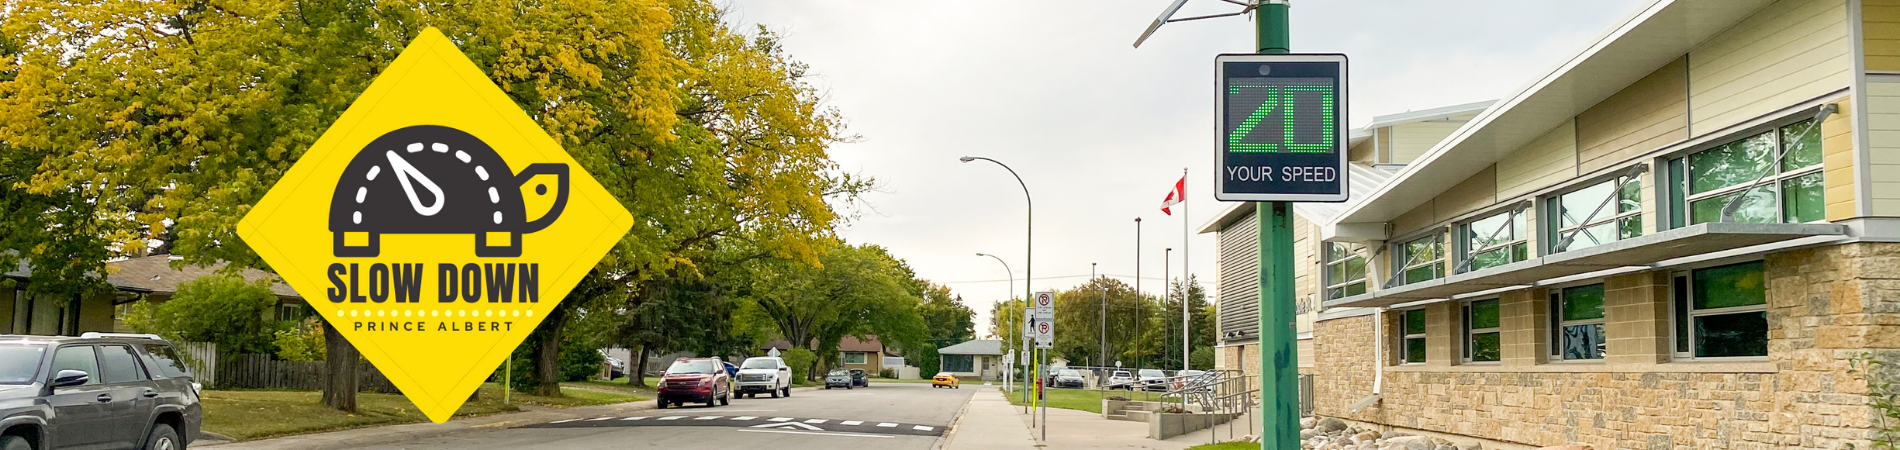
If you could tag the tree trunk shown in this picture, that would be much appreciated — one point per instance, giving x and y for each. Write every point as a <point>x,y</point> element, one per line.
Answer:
<point>639,375</point>
<point>340,359</point>
<point>547,354</point>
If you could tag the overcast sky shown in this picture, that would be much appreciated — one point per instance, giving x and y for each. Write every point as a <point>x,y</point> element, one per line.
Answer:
<point>1100,130</point>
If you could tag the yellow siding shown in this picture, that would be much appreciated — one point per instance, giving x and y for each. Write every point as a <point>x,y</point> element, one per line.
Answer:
<point>1789,51</point>
<point>1837,146</point>
<point>1883,136</point>
<point>1384,136</point>
<point>1880,34</point>
<point>1647,115</point>
<point>1549,159</point>
<point>1413,220</point>
<point>1411,140</point>
<point>1362,153</point>
<point>1479,191</point>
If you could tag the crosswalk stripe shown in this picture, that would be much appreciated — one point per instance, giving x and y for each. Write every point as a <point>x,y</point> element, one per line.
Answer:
<point>597,419</point>
<point>564,421</point>
<point>780,419</point>
<point>635,418</point>
<point>921,428</point>
<point>887,424</point>
<point>672,417</point>
<point>745,418</point>
<point>706,417</point>
<point>851,422</point>
<point>815,421</point>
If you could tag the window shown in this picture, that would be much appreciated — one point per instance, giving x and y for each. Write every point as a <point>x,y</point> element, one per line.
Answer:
<point>1494,241</point>
<point>290,311</point>
<point>78,357</point>
<point>166,362</point>
<point>1722,312</point>
<point>1791,191</point>
<point>117,365</point>
<point>854,357</point>
<point>1345,270</point>
<point>1481,331</point>
<point>958,363</point>
<point>1577,323</point>
<point>1412,332</point>
<point>1420,259</point>
<point>1597,214</point>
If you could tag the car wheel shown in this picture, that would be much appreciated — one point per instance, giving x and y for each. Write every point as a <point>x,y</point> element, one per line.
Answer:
<point>725,401</point>
<point>827,387</point>
<point>662,404</point>
<point>774,393</point>
<point>14,443</point>
<point>163,438</point>
<point>848,387</point>
<point>788,391</point>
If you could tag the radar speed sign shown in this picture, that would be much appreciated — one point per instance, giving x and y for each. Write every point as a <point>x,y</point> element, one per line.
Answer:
<point>1282,128</point>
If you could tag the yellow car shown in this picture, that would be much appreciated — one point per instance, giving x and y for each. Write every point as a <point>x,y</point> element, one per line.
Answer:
<point>944,380</point>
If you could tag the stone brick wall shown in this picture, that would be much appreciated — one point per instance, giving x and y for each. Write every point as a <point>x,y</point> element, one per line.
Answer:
<point>1825,306</point>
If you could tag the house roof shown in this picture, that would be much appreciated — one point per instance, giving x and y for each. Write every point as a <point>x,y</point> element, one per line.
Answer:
<point>974,347</point>
<point>848,344</point>
<point>1656,34</point>
<point>155,274</point>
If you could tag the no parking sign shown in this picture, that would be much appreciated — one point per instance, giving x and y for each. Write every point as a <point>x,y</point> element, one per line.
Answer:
<point>1044,321</point>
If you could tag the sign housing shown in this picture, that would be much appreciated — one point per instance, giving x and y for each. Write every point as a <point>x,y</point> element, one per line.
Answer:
<point>1283,136</point>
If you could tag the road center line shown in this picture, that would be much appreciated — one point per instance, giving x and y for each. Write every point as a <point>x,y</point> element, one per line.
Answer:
<point>779,419</point>
<point>745,418</point>
<point>851,422</point>
<point>635,418</point>
<point>818,433</point>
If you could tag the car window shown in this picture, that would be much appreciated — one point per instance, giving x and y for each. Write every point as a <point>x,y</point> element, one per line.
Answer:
<point>20,364</point>
<point>701,366</point>
<point>78,357</point>
<point>1121,373</point>
<point>117,365</point>
<point>760,363</point>
<point>166,362</point>
<point>1152,373</point>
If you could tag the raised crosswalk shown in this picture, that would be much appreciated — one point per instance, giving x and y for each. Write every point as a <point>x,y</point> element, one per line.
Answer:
<point>803,424</point>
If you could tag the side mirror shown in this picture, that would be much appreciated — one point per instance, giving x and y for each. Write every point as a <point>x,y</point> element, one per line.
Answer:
<point>71,377</point>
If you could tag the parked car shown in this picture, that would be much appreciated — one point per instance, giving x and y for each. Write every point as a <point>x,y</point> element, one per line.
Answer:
<point>98,390</point>
<point>765,374</point>
<point>944,380</point>
<point>615,367</point>
<point>1152,379</point>
<point>860,378</point>
<point>839,378</point>
<point>1185,377</point>
<point>1121,379</point>
<point>697,380</point>
<point>1067,378</point>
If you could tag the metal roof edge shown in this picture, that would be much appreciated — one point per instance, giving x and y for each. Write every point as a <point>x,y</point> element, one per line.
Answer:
<point>1426,114</point>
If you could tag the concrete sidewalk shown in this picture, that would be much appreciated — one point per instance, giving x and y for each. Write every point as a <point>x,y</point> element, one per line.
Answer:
<point>991,422</point>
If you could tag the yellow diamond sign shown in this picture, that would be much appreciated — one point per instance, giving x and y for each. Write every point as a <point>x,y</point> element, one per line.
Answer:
<point>434,224</point>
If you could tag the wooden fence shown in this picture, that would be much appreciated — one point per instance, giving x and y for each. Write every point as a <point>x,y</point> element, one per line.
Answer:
<point>263,372</point>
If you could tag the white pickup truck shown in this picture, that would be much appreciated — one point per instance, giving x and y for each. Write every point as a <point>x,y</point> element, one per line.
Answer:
<point>765,374</point>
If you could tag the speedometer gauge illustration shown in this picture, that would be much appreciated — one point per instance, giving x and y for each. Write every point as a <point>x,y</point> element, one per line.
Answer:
<point>430,179</point>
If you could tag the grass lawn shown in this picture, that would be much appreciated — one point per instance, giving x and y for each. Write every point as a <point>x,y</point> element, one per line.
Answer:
<point>620,385</point>
<point>1076,399</point>
<point>246,415</point>
<point>1227,446</point>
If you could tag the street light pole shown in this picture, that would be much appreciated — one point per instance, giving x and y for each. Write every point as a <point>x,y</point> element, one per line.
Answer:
<point>1006,303</point>
<point>1029,247</point>
<point>1102,298</point>
<point>1141,304</point>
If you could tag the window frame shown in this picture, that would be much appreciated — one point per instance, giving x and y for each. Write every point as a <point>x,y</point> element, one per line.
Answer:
<point>1405,339</point>
<point>1520,224</point>
<point>1683,313</point>
<point>1400,255</point>
<point>1557,323</point>
<point>1682,215</point>
<point>863,358</point>
<point>1553,205</point>
<point>1470,333</point>
<point>1327,263</point>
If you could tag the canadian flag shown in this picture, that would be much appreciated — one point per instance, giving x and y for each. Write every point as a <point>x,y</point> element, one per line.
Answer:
<point>1175,196</point>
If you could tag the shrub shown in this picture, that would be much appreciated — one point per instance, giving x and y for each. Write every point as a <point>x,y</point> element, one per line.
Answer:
<point>222,309</point>
<point>801,360</point>
<point>302,343</point>
<point>888,373</point>
<point>1883,395</point>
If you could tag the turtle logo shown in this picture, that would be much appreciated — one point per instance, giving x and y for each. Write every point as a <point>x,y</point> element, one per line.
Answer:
<point>430,179</point>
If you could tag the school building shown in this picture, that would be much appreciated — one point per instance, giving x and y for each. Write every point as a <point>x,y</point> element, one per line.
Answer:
<point>1680,238</point>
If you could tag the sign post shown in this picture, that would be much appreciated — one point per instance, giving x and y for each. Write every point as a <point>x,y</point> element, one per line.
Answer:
<point>1045,305</point>
<point>1283,140</point>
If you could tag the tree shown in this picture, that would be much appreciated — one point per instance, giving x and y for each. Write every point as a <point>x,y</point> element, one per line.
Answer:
<point>1081,320</point>
<point>855,291</point>
<point>1169,322</point>
<point>947,322</point>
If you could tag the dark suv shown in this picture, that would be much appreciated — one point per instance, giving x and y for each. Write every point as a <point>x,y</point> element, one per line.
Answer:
<point>107,391</point>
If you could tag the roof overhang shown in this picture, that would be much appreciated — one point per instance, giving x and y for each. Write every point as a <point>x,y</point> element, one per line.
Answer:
<point>1645,252</point>
<point>1655,35</point>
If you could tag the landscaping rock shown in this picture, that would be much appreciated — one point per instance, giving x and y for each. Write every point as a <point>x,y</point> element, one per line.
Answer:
<point>1567,447</point>
<point>1308,422</point>
<point>1328,425</point>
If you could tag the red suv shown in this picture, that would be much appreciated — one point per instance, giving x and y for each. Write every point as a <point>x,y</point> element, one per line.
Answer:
<point>699,380</point>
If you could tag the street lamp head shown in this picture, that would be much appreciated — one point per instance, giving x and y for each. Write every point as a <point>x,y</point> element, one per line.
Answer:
<point>967,158</point>
<point>982,254</point>
<point>1137,219</point>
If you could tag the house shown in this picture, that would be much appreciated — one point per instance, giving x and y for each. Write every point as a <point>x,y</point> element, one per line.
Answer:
<point>853,353</point>
<point>147,278</point>
<point>981,359</point>
<point>1681,237</point>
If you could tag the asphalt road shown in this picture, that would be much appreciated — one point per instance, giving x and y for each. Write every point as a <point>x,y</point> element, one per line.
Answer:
<point>884,416</point>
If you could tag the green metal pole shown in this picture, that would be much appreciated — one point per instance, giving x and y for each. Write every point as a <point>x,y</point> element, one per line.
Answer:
<point>1279,368</point>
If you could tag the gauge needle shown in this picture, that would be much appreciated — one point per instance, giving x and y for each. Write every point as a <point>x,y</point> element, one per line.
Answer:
<point>404,172</point>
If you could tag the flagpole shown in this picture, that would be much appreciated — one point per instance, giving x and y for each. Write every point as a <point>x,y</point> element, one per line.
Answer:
<point>1186,274</point>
